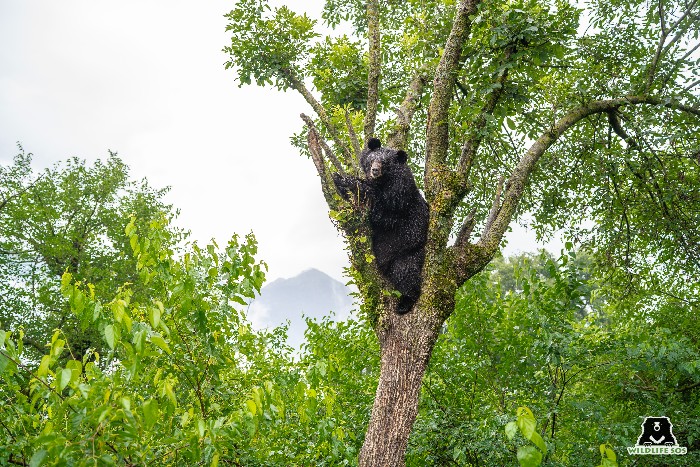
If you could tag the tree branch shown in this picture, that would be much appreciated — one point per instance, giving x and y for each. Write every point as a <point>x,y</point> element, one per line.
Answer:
<point>471,144</point>
<point>355,142</point>
<point>297,84</point>
<point>495,206</point>
<point>437,138</point>
<point>662,47</point>
<point>329,153</point>
<point>466,230</point>
<point>374,68</point>
<point>398,137</point>
<point>616,125</point>
<point>471,258</point>
<point>316,146</point>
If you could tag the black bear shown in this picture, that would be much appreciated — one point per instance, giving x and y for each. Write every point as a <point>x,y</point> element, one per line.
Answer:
<point>398,217</point>
<point>656,431</point>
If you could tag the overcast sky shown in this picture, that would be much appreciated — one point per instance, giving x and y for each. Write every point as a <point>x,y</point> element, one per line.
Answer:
<point>145,78</point>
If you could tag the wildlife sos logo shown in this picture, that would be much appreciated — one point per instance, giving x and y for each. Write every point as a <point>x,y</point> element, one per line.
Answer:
<point>657,438</point>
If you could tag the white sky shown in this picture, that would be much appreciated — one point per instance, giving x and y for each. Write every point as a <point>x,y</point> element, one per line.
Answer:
<point>145,78</point>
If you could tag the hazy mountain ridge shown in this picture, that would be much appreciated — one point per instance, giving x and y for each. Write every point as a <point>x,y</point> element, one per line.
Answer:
<point>310,294</point>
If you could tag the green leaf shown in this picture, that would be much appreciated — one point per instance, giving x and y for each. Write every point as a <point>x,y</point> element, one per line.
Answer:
<point>43,366</point>
<point>63,378</point>
<point>76,369</point>
<point>511,429</point>
<point>529,456</point>
<point>539,442</point>
<point>150,412</point>
<point>160,342</point>
<point>154,316</point>
<point>252,408</point>
<point>170,393</point>
<point>139,341</point>
<point>111,336</point>
<point>526,422</point>
<point>57,347</point>
<point>38,458</point>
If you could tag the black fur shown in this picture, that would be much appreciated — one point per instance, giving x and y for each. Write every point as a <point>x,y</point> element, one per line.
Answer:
<point>398,217</point>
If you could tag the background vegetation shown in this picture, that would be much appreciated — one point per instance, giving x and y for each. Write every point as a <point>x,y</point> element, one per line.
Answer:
<point>122,344</point>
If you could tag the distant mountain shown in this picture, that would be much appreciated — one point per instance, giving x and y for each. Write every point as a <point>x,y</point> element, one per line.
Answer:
<point>311,293</point>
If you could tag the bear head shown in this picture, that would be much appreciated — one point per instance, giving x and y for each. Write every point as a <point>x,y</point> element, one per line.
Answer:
<point>379,163</point>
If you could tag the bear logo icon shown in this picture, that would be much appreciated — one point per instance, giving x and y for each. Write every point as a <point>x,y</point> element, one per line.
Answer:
<point>656,431</point>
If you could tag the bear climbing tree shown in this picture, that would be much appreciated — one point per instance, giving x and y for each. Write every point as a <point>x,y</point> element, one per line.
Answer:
<point>398,217</point>
<point>507,107</point>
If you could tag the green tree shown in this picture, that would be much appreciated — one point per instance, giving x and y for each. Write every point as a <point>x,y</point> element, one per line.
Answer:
<point>506,107</point>
<point>70,217</point>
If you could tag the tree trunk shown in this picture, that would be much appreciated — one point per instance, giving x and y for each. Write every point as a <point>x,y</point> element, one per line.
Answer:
<point>406,343</point>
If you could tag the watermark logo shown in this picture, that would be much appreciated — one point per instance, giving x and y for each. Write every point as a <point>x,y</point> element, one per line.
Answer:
<point>657,438</point>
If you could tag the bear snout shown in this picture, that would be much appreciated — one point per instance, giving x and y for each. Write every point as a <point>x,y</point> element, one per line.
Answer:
<point>376,170</point>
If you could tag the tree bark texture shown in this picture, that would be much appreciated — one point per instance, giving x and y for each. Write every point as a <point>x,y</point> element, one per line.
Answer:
<point>406,344</point>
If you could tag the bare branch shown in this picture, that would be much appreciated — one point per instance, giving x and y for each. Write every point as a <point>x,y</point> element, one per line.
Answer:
<point>374,68</point>
<point>437,138</point>
<point>316,147</point>
<point>691,85</point>
<point>329,153</point>
<point>662,18</point>
<point>495,206</point>
<point>398,138</point>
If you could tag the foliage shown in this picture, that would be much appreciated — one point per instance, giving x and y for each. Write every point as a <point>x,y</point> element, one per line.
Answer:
<point>544,333</point>
<point>183,361</point>
<point>70,217</point>
<point>175,374</point>
<point>525,423</point>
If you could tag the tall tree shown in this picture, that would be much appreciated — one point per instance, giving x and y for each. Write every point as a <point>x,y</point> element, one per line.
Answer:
<point>68,218</point>
<point>506,108</point>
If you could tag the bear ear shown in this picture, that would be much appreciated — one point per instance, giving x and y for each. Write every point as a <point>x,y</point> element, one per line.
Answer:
<point>373,144</point>
<point>401,156</point>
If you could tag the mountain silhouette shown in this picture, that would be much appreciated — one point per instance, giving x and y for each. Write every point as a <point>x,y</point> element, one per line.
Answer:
<point>310,294</point>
